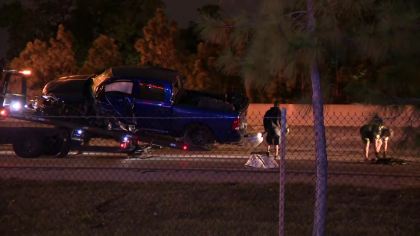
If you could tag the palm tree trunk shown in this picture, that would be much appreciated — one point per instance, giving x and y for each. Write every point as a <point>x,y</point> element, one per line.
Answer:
<point>320,142</point>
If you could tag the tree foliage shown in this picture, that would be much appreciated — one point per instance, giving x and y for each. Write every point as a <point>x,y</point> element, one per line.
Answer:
<point>37,20</point>
<point>160,46</point>
<point>205,75</point>
<point>103,54</point>
<point>386,57</point>
<point>117,19</point>
<point>231,38</point>
<point>362,47</point>
<point>47,60</point>
<point>366,48</point>
<point>87,20</point>
<point>157,47</point>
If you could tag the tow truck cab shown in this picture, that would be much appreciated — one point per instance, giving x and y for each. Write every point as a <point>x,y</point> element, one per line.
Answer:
<point>13,91</point>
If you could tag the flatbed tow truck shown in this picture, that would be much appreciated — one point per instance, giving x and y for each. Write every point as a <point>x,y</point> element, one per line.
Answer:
<point>32,135</point>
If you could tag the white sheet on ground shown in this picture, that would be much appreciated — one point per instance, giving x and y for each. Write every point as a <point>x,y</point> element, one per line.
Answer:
<point>261,161</point>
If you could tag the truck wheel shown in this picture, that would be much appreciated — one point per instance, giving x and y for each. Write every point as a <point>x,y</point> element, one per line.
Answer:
<point>28,146</point>
<point>199,136</point>
<point>57,145</point>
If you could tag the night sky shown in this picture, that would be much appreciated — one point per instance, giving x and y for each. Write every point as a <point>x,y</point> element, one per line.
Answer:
<point>182,11</point>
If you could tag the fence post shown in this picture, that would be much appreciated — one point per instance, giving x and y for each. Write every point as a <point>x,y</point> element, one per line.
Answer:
<point>282,166</point>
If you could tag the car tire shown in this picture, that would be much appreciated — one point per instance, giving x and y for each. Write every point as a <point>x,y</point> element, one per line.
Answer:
<point>57,145</point>
<point>199,136</point>
<point>29,146</point>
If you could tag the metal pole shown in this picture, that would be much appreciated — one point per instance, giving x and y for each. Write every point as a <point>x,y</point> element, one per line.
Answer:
<point>320,210</point>
<point>282,166</point>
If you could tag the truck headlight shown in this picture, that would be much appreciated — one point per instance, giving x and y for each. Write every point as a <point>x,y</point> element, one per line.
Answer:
<point>15,106</point>
<point>79,132</point>
<point>78,135</point>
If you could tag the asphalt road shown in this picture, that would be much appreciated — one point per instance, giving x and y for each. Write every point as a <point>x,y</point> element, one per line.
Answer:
<point>226,163</point>
<point>215,168</point>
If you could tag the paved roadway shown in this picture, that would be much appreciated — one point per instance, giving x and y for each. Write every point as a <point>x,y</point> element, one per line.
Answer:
<point>167,165</point>
<point>226,163</point>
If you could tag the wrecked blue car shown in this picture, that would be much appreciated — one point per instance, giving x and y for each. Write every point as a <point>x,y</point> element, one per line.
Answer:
<point>147,99</point>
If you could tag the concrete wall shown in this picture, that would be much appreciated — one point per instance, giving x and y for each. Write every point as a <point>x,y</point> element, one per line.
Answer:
<point>341,115</point>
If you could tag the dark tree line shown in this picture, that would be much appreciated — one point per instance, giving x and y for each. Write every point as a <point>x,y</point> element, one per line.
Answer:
<point>86,20</point>
<point>367,48</point>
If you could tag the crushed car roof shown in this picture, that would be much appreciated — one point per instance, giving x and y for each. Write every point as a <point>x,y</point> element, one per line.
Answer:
<point>145,72</point>
<point>155,73</point>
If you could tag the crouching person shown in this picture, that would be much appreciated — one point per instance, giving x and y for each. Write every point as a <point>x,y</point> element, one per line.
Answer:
<point>377,133</point>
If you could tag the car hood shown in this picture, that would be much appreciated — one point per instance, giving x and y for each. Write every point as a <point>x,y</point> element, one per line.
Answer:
<point>70,88</point>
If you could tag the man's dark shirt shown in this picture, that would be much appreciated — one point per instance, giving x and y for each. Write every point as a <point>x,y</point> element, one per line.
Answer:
<point>272,121</point>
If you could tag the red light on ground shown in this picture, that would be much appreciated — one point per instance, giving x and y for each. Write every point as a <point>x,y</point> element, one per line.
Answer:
<point>184,147</point>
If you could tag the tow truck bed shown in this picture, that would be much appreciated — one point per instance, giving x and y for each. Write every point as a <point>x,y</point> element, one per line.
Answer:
<point>33,136</point>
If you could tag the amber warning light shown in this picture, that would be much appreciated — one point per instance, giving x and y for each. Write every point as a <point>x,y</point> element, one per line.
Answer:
<point>25,72</point>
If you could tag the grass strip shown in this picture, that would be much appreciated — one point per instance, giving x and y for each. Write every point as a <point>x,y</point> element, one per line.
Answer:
<point>87,208</point>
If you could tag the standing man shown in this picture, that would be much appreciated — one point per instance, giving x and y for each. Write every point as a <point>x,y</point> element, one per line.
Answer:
<point>272,127</point>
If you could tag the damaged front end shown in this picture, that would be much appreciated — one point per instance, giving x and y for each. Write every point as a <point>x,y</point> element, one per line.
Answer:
<point>72,98</point>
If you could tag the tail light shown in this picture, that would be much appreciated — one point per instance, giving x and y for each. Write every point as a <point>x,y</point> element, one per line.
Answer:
<point>236,123</point>
<point>3,113</point>
<point>124,145</point>
<point>185,147</point>
<point>126,142</point>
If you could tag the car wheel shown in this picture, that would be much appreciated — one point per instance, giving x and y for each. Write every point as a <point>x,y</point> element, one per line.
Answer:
<point>199,136</point>
<point>29,146</point>
<point>57,145</point>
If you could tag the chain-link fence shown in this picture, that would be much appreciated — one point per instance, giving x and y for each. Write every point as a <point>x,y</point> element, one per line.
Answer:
<point>103,155</point>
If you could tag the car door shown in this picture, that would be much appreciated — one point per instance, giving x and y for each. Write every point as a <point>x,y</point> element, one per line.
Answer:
<point>152,112</point>
<point>117,100</point>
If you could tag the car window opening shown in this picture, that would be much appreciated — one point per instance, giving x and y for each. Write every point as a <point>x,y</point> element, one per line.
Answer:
<point>152,92</point>
<point>123,87</point>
